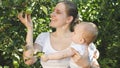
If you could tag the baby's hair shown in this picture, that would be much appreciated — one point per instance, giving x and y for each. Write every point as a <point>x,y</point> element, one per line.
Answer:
<point>91,31</point>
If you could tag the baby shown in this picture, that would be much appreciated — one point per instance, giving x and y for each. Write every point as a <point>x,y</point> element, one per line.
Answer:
<point>84,34</point>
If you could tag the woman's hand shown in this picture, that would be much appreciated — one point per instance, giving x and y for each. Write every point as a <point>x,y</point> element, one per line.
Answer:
<point>31,61</point>
<point>82,60</point>
<point>26,20</point>
<point>44,58</point>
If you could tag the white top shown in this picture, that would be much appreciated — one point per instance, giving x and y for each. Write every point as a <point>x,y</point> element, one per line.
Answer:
<point>81,50</point>
<point>43,40</point>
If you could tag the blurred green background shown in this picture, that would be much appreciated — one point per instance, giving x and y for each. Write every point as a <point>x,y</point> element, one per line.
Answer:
<point>104,13</point>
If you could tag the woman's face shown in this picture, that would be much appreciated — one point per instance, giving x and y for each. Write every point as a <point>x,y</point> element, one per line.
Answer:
<point>58,16</point>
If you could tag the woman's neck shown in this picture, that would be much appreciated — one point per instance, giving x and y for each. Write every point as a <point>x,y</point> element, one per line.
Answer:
<point>61,32</point>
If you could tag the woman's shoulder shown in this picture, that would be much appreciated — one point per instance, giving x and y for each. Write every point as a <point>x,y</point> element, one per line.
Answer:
<point>44,34</point>
<point>41,38</point>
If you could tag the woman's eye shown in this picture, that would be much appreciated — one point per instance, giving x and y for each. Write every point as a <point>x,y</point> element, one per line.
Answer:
<point>58,12</point>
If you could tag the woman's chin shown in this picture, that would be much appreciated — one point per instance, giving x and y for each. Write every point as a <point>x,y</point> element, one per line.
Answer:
<point>52,24</point>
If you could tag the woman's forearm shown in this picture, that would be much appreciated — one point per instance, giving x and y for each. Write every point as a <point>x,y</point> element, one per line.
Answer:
<point>29,37</point>
<point>61,54</point>
<point>29,49</point>
<point>83,64</point>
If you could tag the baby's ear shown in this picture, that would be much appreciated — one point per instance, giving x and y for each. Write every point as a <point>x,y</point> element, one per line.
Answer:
<point>82,40</point>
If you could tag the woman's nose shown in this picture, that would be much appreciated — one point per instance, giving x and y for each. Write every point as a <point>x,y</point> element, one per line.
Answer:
<point>52,14</point>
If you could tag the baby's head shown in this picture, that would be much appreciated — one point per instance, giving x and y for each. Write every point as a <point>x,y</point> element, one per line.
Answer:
<point>85,33</point>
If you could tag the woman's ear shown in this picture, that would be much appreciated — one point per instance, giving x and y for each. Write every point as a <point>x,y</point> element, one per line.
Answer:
<point>69,19</point>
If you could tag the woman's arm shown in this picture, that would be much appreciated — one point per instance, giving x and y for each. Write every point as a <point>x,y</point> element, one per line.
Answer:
<point>81,60</point>
<point>29,48</point>
<point>27,22</point>
<point>58,55</point>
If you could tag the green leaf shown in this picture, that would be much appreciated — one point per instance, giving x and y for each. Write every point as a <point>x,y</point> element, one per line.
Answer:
<point>44,9</point>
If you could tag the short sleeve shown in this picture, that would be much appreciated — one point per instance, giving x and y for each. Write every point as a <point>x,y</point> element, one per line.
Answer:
<point>93,49</point>
<point>92,46</point>
<point>41,38</point>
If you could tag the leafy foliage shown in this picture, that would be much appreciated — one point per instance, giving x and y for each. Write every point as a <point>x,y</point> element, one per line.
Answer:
<point>104,13</point>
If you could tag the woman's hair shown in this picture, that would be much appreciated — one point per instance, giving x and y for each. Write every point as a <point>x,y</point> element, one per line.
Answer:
<point>71,10</point>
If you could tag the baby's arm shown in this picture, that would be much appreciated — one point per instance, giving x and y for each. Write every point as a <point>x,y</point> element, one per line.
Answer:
<point>58,55</point>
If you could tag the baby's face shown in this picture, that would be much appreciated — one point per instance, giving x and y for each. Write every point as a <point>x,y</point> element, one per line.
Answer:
<point>77,34</point>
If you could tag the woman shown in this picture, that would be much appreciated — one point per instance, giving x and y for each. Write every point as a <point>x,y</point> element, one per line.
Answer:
<point>63,19</point>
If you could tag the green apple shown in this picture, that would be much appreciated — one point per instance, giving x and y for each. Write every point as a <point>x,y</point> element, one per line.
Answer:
<point>39,54</point>
<point>16,64</point>
<point>28,11</point>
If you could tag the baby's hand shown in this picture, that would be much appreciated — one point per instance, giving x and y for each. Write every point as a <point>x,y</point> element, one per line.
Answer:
<point>44,58</point>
